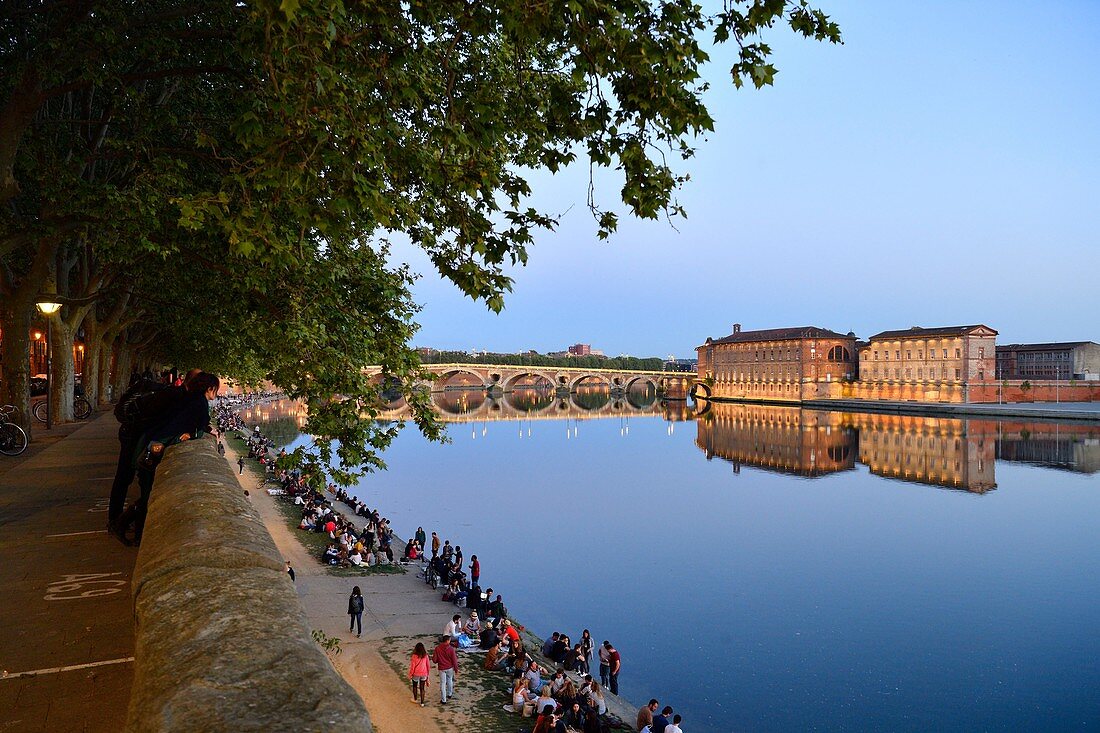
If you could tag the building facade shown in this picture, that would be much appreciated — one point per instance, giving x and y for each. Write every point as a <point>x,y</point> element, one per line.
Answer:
<point>580,349</point>
<point>926,364</point>
<point>778,364</point>
<point>1067,360</point>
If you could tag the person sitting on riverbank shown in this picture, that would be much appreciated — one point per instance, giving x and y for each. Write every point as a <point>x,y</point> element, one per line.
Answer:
<point>472,627</point>
<point>523,700</point>
<point>495,658</point>
<point>568,695</point>
<point>574,659</point>
<point>548,645</point>
<point>545,700</point>
<point>573,717</point>
<point>488,636</point>
<point>596,700</point>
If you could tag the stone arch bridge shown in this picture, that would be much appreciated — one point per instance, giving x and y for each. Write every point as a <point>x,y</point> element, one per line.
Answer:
<point>507,377</point>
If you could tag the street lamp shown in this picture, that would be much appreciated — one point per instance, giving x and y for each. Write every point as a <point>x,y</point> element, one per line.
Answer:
<point>48,307</point>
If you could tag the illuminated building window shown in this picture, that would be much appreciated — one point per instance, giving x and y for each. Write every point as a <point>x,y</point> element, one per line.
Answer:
<point>897,355</point>
<point>958,374</point>
<point>931,373</point>
<point>876,356</point>
<point>908,355</point>
<point>958,353</point>
<point>945,353</point>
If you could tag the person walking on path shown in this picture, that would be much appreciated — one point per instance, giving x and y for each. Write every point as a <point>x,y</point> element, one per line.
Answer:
<point>614,663</point>
<point>435,545</point>
<point>355,610</point>
<point>475,570</point>
<point>240,465</point>
<point>290,571</point>
<point>447,662</point>
<point>420,669</point>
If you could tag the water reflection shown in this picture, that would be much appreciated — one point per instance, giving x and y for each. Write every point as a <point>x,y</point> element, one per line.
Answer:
<point>783,439</point>
<point>948,452</point>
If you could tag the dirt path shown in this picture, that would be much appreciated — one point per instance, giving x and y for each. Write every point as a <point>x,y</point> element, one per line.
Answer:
<point>396,606</point>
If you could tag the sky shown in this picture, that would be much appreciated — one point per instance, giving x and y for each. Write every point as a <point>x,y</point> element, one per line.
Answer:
<point>942,167</point>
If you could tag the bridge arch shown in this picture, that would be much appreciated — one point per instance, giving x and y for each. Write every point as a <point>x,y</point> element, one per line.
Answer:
<point>509,383</point>
<point>446,375</point>
<point>600,378</point>
<point>631,381</point>
<point>700,390</point>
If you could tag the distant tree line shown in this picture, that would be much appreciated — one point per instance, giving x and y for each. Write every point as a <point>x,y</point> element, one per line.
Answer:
<point>632,363</point>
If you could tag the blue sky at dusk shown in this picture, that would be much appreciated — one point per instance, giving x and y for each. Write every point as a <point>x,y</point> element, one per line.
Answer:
<point>941,167</point>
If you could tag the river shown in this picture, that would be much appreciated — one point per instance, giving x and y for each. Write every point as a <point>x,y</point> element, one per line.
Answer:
<point>766,568</point>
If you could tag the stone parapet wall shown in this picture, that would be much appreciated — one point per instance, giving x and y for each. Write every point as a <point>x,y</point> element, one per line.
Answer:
<point>222,643</point>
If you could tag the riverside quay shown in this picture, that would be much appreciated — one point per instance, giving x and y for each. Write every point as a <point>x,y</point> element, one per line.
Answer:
<point>942,364</point>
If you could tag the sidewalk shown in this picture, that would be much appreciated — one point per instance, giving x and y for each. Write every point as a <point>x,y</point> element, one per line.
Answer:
<point>66,623</point>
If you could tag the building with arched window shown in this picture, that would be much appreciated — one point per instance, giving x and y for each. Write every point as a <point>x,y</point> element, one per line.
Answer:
<point>777,364</point>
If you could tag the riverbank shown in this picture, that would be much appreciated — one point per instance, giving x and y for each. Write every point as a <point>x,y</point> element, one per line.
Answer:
<point>400,611</point>
<point>1040,411</point>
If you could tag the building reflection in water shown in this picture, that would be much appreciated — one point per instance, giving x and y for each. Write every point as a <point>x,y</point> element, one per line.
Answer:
<point>783,439</point>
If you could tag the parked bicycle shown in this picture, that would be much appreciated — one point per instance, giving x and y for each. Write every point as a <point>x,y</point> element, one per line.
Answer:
<point>13,440</point>
<point>82,409</point>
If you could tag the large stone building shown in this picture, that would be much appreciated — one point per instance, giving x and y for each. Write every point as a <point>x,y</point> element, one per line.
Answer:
<point>777,364</point>
<point>1067,360</point>
<point>926,364</point>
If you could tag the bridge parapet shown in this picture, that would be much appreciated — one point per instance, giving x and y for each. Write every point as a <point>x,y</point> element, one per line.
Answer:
<point>506,376</point>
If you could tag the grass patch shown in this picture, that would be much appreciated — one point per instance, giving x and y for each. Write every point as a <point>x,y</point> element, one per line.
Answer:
<point>314,542</point>
<point>480,694</point>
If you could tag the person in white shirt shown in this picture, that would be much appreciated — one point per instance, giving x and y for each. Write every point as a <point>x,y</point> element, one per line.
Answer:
<point>355,558</point>
<point>674,726</point>
<point>472,626</point>
<point>452,627</point>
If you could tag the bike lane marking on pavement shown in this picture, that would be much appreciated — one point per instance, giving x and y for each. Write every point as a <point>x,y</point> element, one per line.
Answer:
<point>74,534</point>
<point>6,675</point>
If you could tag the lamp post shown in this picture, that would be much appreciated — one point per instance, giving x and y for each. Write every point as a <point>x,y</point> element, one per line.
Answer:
<point>48,307</point>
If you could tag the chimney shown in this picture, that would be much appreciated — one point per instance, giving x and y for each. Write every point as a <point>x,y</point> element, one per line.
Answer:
<point>737,328</point>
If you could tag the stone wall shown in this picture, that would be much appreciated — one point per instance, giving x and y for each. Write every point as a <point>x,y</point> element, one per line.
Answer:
<point>222,643</point>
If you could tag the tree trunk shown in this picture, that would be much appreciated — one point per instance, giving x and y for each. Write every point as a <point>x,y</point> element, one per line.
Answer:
<point>15,369</point>
<point>124,360</point>
<point>106,393</point>
<point>62,379</point>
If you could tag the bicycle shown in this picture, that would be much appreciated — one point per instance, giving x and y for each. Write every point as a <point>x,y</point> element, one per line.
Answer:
<point>13,440</point>
<point>82,409</point>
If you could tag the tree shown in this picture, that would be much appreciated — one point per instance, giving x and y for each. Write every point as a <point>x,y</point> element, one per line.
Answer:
<point>249,159</point>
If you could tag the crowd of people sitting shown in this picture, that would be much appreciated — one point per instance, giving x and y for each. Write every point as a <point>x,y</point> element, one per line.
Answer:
<point>564,700</point>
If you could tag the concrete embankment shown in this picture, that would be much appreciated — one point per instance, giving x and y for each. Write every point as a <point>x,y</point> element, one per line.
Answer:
<point>1030,411</point>
<point>222,643</point>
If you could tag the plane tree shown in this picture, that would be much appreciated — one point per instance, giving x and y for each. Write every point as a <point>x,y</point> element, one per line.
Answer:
<point>238,167</point>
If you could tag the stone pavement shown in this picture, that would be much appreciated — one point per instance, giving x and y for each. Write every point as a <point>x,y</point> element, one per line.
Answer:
<point>66,625</point>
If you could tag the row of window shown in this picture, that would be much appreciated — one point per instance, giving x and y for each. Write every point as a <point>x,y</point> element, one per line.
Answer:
<point>1044,356</point>
<point>920,373</point>
<point>920,354</point>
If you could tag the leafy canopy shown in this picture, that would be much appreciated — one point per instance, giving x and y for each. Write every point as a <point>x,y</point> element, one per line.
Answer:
<point>241,164</point>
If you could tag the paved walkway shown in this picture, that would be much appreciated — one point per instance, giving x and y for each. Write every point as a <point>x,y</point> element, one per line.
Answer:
<point>66,626</point>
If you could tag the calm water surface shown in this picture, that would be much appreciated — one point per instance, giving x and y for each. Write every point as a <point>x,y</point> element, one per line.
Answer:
<point>775,569</point>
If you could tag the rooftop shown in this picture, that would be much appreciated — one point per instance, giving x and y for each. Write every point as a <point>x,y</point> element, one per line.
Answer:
<point>780,334</point>
<point>1054,346</point>
<point>918,332</point>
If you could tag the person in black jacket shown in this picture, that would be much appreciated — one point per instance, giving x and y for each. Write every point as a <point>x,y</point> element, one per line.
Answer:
<point>355,610</point>
<point>187,417</point>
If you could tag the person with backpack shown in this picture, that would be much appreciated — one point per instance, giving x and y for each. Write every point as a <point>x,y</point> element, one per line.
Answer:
<point>355,610</point>
<point>187,418</point>
<point>136,409</point>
